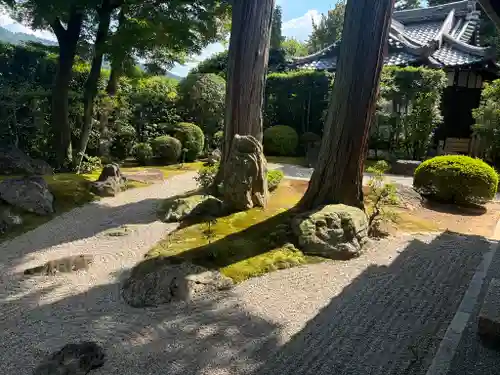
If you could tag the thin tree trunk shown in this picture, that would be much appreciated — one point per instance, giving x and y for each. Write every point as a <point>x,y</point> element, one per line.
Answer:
<point>246,72</point>
<point>68,40</point>
<point>91,85</point>
<point>338,177</point>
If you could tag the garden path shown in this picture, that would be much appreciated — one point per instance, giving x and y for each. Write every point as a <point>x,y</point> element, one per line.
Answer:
<point>382,313</point>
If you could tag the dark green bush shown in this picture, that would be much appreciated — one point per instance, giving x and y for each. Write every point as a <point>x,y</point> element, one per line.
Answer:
<point>167,149</point>
<point>274,178</point>
<point>280,140</point>
<point>191,137</point>
<point>309,137</point>
<point>143,153</point>
<point>456,179</point>
<point>123,142</point>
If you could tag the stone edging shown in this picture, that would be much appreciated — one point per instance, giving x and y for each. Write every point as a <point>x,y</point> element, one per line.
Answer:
<point>447,348</point>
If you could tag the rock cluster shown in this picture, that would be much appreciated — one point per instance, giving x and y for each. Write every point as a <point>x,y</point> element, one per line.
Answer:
<point>178,209</point>
<point>110,182</point>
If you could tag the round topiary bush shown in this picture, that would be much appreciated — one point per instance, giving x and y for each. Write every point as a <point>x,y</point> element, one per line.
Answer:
<point>280,140</point>
<point>143,153</point>
<point>191,137</point>
<point>456,179</point>
<point>167,149</point>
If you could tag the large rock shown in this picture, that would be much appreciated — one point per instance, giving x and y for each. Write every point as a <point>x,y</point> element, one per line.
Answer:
<point>489,316</point>
<point>73,359</point>
<point>178,209</point>
<point>110,182</point>
<point>31,194</point>
<point>245,175</point>
<point>334,231</point>
<point>14,161</point>
<point>165,282</point>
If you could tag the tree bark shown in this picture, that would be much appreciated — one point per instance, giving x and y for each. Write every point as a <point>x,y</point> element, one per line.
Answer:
<point>91,85</point>
<point>246,72</point>
<point>68,40</point>
<point>338,176</point>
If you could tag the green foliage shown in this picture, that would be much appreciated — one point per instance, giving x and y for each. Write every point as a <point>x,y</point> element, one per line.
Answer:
<point>407,4</point>
<point>408,110</point>
<point>143,153</point>
<point>297,99</point>
<point>456,179</point>
<point>274,178</point>
<point>280,140</point>
<point>90,164</point>
<point>206,176</point>
<point>216,64</point>
<point>191,137</point>
<point>329,28</point>
<point>153,101</point>
<point>487,118</point>
<point>202,98</point>
<point>167,149</point>
<point>294,48</point>
<point>276,26</point>
<point>381,196</point>
<point>218,139</point>
<point>123,142</point>
<point>310,137</point>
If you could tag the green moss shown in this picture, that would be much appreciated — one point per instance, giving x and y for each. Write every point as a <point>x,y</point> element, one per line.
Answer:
<point>240,245</point>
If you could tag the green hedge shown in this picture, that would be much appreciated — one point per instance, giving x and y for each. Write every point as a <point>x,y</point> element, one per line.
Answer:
<point>167,149</point>
<point>191,137</point>
<point>456,179</point>
<point>281,140</point>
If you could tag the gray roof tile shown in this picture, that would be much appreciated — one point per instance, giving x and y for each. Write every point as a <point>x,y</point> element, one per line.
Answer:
<point>423,32</point>
<point>453,57</point>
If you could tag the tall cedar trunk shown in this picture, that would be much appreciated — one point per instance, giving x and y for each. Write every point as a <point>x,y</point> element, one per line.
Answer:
<point>246,71</point>
<point>68,40</point>
<point>91,85</point>
<point>338,176</point>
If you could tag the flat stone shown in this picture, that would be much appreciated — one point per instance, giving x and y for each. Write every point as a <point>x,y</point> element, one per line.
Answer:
<point>489,316</point>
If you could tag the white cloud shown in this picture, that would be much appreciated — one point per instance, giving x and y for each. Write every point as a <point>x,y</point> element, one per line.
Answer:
<point>8,23</point>
<point>300,28</point>
<point>183,70</point>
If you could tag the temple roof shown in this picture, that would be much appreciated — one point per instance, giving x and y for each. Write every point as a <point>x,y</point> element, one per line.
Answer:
<point>439,36</point>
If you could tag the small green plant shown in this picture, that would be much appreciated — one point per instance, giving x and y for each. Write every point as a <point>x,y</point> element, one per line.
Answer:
<point>381,196</point>
<point>206,176</point>
<point>90,164</point>
<point>209,233</point>
<point>274,178</point>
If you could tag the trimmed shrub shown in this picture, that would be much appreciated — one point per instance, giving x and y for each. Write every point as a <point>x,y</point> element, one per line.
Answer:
<point>143,153</point>
<point>309,137</point>
<point>280,140</point>
<point>167,149</point>
<point>456,179</point>
<point>191,137</point>
<point>274,178</point>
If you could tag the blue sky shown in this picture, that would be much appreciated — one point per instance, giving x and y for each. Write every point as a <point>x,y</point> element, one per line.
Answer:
<point>297,23</point>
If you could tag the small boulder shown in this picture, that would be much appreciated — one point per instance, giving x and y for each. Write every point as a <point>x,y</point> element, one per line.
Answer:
<point>166,282</point>
<point>73,359</point>
<point>214,157</point>
<point>178,209</point>
<point>404,167</point>
<point>334,231</point>
<point>14,161</point>
<point>31,194</point>
<point>110,182</point>
<point>8,220</point>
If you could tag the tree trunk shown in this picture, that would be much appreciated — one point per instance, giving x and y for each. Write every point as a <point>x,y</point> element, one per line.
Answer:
<point>338,176</point>
<point>247,64</point>
<point>91,85</point>
<point>68,39</point>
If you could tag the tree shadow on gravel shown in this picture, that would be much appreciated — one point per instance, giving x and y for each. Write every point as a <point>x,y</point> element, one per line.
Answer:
<point>387,320</point>
<point>473,210</point>
<point>213,336</point>
<point>79,224</point>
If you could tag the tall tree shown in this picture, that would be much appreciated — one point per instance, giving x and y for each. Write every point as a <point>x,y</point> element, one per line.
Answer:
<point>246,76</point>
<point>276,36</point>
<point>329,28</point>
<point>293,47</point>
<point>338,176</point>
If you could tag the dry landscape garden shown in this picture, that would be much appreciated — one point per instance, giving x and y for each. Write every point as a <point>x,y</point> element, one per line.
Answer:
<point>286,208</point>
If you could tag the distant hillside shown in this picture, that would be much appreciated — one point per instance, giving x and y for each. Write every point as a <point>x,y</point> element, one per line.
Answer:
<point>174,76</point>
<point>20,38</point>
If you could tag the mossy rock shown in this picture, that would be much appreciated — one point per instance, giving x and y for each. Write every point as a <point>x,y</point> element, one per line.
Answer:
<point>333,231</point>
<point>178,209</point>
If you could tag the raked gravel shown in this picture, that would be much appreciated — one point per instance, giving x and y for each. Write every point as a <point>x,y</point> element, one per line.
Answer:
<point>382,313</point>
